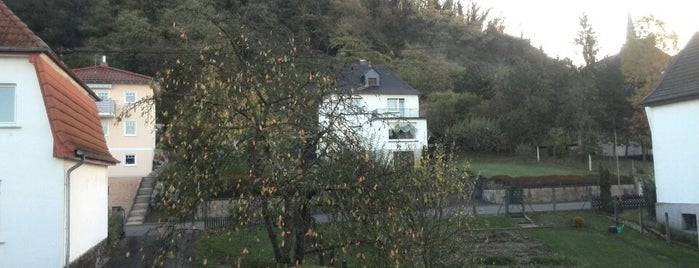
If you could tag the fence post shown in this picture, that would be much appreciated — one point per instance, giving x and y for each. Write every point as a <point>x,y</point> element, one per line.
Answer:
<point>553,195</point>
<point>667,228</point>
<point>640,215</point>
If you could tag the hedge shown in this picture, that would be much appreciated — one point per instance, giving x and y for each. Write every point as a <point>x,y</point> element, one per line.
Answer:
<point>555,180</point>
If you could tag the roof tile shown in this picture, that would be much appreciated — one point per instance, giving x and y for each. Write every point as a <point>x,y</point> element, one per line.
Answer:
<point>70,106</point>
<point>106,74</point>
<point>680,81</point>
<point>16,34</point>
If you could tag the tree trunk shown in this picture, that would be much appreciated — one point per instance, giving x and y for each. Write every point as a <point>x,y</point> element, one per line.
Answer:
<point>269,226</point>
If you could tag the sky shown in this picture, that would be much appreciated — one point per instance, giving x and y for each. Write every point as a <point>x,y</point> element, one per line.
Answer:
<point>554,24</point>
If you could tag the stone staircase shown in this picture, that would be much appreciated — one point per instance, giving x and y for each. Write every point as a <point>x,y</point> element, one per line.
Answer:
<point>141,204</point>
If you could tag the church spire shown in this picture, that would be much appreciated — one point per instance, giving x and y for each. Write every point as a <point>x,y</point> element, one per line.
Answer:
<point>630,30</point>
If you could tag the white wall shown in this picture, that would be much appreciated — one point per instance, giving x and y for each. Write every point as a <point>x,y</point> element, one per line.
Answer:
<point>675,136</point>
<point>31,191</point>
<point>88,207</point>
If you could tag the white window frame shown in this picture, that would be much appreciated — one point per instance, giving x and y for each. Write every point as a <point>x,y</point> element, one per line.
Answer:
<point>100,93</point>
<point>126,128</point>
<point>398,107</point>
<point>126,163</point>
<point>105,127</point>
<point>126,97</point>
<point>13,109</point>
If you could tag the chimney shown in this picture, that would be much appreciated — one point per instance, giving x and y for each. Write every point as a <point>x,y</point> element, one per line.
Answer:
<point>104,62</point>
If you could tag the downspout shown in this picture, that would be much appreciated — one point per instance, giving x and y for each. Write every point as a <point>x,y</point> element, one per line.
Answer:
<point>66,202</point>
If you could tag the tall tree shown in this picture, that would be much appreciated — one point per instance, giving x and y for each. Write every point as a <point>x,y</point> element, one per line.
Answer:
<point>642,62</point>
<point>587,39</point>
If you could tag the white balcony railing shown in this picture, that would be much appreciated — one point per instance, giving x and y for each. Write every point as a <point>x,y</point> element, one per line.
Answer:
<point>396,113</point>
<point>106,108</point>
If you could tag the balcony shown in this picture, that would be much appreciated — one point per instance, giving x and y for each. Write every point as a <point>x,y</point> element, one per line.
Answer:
<point>106,108</point>
<point>396,113</point>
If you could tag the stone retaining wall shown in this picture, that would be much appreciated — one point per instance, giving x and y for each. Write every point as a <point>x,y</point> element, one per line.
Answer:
<point>562,193</point>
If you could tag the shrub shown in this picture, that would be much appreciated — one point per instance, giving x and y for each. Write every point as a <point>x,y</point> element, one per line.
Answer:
<point>551,261</point>
<point>495,260</point>
<point>578,222</point>
<point>115,229</point>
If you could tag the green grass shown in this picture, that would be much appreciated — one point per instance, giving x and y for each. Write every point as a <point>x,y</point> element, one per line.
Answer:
<point>250,246</point>
<point>490,165</point>
<point>593,246</point>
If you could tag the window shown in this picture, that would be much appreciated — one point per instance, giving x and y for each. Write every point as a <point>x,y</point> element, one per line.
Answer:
<point>130,160</point>
<point>373,81</point>
<point>105,127</point>
<point>7,104</point>
<point>396,106</point>
<point>129,97</point>
<point>103,95</point>
<point>130,128</point>
<point>690,221</point>
<point>402,130</point>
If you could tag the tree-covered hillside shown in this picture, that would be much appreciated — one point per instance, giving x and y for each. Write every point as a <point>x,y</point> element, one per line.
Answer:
<point>483,89</point>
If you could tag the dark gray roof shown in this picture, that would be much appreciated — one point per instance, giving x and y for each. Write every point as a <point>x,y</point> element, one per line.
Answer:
<point>352,80</point>
<point>680,82</point>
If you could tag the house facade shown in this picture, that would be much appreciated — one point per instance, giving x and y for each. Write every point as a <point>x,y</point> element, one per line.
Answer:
<point>131,138</point>
<point>384,108</point>
<point>53,162</point>
<point>669,108</point>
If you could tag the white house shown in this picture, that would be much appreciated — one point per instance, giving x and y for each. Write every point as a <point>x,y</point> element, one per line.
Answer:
<point>386,109</point>
<point>670,109</point>
<point>53,157</point>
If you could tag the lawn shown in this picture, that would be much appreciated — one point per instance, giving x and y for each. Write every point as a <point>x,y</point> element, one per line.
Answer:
<point>490,165</point>
<point>558,243</point>
<point>594,246</point>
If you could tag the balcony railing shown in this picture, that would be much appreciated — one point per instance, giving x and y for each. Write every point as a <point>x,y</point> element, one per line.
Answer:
<point>106,108</point>
<point>396,113</point>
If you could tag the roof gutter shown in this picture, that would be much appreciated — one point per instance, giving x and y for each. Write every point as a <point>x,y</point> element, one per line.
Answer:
<point>66,203</point>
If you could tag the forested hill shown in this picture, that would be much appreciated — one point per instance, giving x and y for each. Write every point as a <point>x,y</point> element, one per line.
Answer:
<point>482,88</point>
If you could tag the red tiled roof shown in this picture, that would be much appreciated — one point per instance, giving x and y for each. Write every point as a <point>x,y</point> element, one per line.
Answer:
<point>106,74</point>
<point>15,34</point>
<point>70,105</point>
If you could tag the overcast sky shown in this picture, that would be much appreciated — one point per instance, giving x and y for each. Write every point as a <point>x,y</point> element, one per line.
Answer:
<point>554,24</point>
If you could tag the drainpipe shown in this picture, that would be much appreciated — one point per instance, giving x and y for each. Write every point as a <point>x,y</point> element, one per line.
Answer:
<point>66,202</point>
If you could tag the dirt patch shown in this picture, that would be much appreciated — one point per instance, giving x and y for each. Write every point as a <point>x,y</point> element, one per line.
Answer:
<point>122,192</point>
<point>506,248</point>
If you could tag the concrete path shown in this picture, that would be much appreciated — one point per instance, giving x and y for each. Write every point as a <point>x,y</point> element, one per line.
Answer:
<point>153,229</point>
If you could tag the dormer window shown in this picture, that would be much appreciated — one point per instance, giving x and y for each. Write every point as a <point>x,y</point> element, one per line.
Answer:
<point>372,81</point>
<point>371,78</point>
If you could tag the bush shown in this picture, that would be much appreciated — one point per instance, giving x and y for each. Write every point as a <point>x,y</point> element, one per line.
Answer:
<point>578,222</point>
<point>551,261</point>
<point>477,135</point>
<point>495,260</point>
<point>115,229</point>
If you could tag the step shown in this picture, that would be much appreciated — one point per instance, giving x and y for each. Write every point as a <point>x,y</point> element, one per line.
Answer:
<point>139,205</point>
<point>145,191</point>
<point>143,199</point>
<point>148,179</point>
<point>135,212</point>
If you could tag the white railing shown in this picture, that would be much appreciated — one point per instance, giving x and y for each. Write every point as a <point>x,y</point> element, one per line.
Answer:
<point>106,108</point>
<point>396,113</point>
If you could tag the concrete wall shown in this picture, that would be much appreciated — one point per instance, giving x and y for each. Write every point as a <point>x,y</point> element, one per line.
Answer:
<point>562,194</point>
<point>675,211</point>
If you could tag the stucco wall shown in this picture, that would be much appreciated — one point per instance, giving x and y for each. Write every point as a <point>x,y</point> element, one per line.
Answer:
<point>143,144</point>
<point>31,179</point>
<point>675,144</point>
<point>89,207</point>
